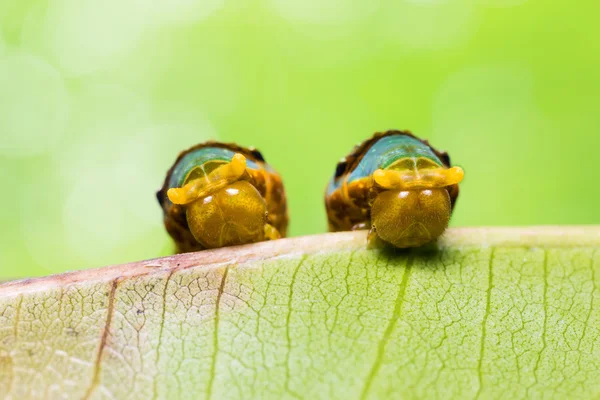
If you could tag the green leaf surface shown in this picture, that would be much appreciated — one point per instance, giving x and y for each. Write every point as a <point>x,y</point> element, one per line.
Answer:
<point>490,313</point>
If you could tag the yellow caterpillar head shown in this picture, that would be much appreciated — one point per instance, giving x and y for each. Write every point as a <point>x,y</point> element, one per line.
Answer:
<point>414,208</point>
<point>221,209</point>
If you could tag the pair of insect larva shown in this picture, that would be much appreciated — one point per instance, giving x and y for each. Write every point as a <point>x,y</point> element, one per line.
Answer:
<point>396,185</point>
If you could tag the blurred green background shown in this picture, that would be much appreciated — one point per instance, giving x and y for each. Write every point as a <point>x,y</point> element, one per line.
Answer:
<point>98,97</point>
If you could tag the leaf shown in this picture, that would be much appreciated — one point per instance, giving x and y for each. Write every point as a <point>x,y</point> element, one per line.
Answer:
<point>494,313</point>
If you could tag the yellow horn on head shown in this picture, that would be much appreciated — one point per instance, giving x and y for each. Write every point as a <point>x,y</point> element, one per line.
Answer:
<point>421,179</point>
<point>217,179</point>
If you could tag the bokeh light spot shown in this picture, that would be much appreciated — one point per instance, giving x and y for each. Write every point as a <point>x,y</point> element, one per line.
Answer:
<point>429,24</point>
<point>87,35</point>
<point>325,18</point>
<point>95,220</point>
<point>34,105</point>
<point>41,226</point>
<point>503,3</point>
<point>174,11</point>
<point>319,12</point>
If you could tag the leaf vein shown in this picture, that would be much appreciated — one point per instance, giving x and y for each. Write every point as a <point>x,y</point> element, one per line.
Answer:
<point>488,307</point>
<point>160,332</point>
<point>110,311</point>
<point>389,329</point>
<point>287,329</point>
<point>545,323</point>
<point>213,364</point>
